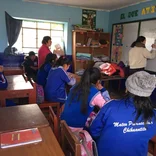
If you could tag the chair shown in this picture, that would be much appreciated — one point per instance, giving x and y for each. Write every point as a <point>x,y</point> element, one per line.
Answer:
<point>152,146</point>
<point>70,145</point>
<point>54,122</point>
<point>45,105</point>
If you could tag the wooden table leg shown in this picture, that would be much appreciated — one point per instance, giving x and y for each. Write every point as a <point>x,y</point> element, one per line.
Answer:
<point>2,103</point>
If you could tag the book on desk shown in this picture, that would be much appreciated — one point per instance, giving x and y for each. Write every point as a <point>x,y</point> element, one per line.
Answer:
<point>21,137</point>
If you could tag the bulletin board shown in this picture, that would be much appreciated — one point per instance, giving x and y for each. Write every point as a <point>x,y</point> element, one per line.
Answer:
<point>117,42</point>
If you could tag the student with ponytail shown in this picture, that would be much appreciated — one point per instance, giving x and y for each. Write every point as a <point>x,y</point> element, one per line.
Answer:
<point>124,127</point>
<point>138,55</point>
<point>43,71</point>
<point>83,97</point>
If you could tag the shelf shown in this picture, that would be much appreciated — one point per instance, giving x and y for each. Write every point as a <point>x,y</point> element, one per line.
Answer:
<point>90,47</point>
<point>83,60</point>
<point>82,39</point>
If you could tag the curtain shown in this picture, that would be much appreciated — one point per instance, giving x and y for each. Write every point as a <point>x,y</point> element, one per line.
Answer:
<point>13,27</point>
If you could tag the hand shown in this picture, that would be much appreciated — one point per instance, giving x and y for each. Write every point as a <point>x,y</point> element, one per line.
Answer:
<point>98,85</point>
<point>70,75</point>
<point>153,46</point>
<point>34,68</point>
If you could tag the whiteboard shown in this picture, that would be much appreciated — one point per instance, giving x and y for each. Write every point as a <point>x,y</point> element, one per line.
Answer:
<point>130,34</point>
<point>148,29</point>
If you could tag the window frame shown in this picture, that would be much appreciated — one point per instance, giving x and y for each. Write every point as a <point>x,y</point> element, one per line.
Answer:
<point>50,30</point>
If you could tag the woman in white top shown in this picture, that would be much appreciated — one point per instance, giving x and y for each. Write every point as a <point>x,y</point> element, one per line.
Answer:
<point>138,55</point>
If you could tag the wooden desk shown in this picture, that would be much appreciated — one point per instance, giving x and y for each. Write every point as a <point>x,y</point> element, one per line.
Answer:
<point>103,77</point>
<point>18,88</point>
<point>13,71</point>
<point>109,78</point>
<point>48,147</point>
<point>21,117</point>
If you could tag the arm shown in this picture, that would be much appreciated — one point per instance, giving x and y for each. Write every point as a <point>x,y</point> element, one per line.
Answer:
<point>69,80</point>
<point>105,94</point>
<point>99,122</point>
<point>72,81</point>
<point>149,55</point>
<point>101,98</point>
<point>2,78</point>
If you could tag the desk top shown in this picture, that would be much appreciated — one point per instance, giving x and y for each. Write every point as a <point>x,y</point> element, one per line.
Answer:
<point>109,78</point>
<point>17,82</point>
<point>12,68</point>
<point>103,77</point>
<point>21,117</point>
<point>48,147</point>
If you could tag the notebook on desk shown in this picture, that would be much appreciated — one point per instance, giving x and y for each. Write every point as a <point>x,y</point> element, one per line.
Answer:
<point>18,138</point>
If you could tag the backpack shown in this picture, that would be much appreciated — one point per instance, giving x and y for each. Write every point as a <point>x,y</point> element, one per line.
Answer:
<point>39,94</point>
<point>88,145</point>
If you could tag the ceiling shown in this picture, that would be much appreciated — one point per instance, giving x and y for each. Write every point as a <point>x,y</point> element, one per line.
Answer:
<point>92,4</point>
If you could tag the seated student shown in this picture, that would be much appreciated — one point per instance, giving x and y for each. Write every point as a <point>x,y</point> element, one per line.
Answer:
<point>83,97</point>
<point>4,85</point>
<point>31,65</point>
<point>124,127</point>
<point>45,68</point>
<point>3,80</point>
<point>55,90</point>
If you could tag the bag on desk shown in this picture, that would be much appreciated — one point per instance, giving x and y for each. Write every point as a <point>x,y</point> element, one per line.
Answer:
<point>40,94</point>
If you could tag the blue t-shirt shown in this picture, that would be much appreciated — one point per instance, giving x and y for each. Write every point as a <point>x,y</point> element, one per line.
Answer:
<point>116,134</point>
<point>3,81</point>
<point>42,74</point>
<point>55,90</point>
<point>72,111</point>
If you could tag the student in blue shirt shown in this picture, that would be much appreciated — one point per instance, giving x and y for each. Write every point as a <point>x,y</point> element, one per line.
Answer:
<point>45,68</point>
<point>124,127</point>
<point>55,88</point>
<point>83,97</point>
<point>3,80</point>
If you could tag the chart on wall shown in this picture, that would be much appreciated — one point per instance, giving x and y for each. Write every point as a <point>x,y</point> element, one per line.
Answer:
<point>117,43</point>
<point>148,29</point>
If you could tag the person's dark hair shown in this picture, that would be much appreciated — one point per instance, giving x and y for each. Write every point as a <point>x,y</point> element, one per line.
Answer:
<point>82,90</point>
<point>63,60</point>
<point>31,53</point>
<point>46,39</point>
<point>143,105</point>
<point>140,39</point>
<point>50,58</point>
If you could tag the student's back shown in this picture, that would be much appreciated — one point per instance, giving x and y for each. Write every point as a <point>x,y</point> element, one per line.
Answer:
<point>119,127</point>
<point>73,111</point>
<point>45,68</point>
<point>42,74</point>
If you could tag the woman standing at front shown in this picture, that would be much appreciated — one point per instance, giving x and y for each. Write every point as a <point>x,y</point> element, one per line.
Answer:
<point>44,50</point>
<point>138,55</point>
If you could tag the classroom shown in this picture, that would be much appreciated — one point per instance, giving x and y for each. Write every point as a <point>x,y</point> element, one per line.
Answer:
<point>77,78</point>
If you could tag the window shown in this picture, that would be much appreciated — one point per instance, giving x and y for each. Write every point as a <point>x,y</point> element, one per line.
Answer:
<point>32,33</point>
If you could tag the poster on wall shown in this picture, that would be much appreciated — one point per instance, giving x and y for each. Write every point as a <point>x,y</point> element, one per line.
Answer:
<point>89,18</point>
<point>117,43</point>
